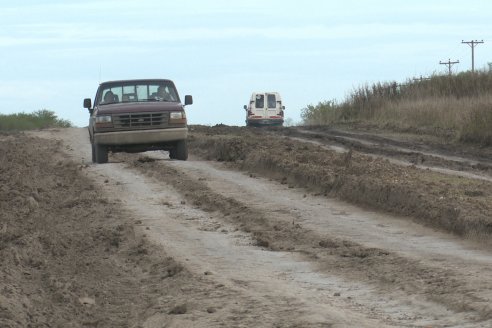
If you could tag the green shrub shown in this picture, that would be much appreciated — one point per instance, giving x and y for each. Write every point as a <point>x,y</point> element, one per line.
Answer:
<point>40,119</point>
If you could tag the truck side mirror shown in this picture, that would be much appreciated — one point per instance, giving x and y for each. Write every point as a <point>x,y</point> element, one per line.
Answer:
<point>87,103</point>
<point>245,107</point>
<point>283,107</point>
<point>188,100</point>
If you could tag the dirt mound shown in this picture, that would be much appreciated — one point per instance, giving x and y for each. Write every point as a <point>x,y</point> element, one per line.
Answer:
<point>451,203</point>
<point>68,256</point>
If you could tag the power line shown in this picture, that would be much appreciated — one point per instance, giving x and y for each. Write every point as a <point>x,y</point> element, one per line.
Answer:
<point>449,63</point>
<point>421,79</point>
<point>472,44</point>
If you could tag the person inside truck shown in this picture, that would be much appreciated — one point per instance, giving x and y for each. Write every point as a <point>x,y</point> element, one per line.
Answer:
<point>163,94</point>
<point>109,97</point>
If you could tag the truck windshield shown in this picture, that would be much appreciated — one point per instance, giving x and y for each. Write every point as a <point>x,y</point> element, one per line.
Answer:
<point>137,93</point>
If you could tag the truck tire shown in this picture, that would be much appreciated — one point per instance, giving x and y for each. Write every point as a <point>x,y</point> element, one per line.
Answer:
<point>93,153</point>
<point>181,151</point>
<point>172,153</point>
<point>101,154</point>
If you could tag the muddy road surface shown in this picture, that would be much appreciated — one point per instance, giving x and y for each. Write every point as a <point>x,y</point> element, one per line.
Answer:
<point>258,229</point>
<point>425,152</point>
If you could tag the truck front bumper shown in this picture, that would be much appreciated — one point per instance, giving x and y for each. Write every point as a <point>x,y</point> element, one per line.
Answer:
<point>138,137</point>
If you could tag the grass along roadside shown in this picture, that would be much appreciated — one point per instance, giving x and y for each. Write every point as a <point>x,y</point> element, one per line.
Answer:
<point>457,107</point>
<point>37,120</point>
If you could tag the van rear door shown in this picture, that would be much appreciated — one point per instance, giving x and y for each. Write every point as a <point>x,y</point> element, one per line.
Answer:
<point>265,105</point>
<point>271,105</point>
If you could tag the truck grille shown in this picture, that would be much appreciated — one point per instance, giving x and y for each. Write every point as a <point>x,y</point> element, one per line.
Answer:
<point>141,120</point>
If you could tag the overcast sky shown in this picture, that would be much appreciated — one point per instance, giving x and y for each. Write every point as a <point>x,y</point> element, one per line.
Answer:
<point>55,53</point>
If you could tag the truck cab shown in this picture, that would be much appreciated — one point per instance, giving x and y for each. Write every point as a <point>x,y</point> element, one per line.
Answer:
<point>265,109</point>
<point>137,116</point>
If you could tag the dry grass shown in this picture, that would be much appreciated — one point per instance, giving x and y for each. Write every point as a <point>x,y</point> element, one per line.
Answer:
<point>458,106</point>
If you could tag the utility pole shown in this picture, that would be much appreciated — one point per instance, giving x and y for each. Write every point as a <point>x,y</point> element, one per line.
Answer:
<point>449,63</point>
<point>472,44</point>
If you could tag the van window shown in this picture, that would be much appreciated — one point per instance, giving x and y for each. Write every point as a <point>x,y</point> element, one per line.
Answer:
<point>272,101</point>
<point>260,101</point>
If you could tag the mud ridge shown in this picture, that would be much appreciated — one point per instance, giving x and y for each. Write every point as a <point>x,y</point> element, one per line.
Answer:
<point>452,204</point>
<point>411,153</point>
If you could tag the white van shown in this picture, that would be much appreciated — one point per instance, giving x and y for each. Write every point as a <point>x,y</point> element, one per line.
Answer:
<point>265,108</point>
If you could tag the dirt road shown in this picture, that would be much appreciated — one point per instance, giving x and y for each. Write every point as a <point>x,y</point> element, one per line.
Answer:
<point>425,152</point>
<point>204,244</point>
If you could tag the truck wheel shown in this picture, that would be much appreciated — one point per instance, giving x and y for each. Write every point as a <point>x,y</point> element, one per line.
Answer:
<point>93,153</point>
<point>101,154</point>
<point>181,150</point>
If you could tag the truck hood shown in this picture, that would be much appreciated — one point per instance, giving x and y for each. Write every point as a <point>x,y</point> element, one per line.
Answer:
<point>136,107</point>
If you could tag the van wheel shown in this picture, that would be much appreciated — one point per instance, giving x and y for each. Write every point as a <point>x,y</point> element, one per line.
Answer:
<point>180,151</point>
<point>101,154</point>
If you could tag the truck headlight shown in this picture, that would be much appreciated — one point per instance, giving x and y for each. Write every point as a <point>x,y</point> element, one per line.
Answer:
<point>177,117</point>
<point>104,121</point>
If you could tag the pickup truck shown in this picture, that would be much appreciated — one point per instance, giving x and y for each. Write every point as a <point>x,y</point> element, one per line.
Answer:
<point>137,116</point>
